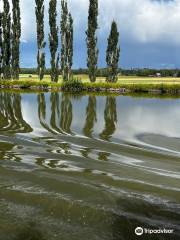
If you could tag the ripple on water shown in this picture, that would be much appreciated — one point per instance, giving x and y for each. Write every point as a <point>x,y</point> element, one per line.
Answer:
<point>87,166</point>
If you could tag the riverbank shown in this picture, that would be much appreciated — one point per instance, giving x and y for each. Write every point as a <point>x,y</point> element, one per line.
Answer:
<point>121,87</point>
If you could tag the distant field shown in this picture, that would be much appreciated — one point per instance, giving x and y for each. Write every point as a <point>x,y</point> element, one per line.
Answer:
<point>122,79</point>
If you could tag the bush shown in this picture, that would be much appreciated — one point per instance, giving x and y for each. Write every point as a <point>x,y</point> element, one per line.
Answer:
<point>73,85</point>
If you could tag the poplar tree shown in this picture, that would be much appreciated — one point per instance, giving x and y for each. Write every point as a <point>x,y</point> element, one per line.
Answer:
<point>113,53</point>
<point>66,41</point>
<point>91,40</point>
<point>6,23</point>
<point>1,42</point>
<point>39,9</point>
<point>16,35</point>
<point>53,40</point>
<point>70,37</point>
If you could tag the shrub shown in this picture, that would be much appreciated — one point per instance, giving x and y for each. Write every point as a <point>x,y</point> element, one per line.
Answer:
<point>73,85</point>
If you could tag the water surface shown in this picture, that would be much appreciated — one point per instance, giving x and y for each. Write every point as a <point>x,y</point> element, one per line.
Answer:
<point>88,167</point>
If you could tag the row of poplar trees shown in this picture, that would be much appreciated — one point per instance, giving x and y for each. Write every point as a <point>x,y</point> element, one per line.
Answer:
<point>10,34</point>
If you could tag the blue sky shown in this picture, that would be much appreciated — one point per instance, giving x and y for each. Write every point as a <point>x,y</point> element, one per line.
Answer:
<point>149,32</point>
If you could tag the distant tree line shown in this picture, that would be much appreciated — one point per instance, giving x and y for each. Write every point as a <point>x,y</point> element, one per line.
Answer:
<point>103,72</point>
<point>61,61</point>
<point>146,72</point>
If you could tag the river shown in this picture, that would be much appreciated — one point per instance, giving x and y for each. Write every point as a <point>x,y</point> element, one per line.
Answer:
<point>91,167</point>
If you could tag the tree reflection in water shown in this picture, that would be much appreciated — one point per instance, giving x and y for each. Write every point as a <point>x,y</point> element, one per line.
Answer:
<point>66,113</point>
<point>55,112</point>
<point>110,117</point>
<point>11,122</point>
<point>11,118</point>
<point>91,116</point>
<point>61,114</point>
<point>61,117</point>
<point>42,112</point>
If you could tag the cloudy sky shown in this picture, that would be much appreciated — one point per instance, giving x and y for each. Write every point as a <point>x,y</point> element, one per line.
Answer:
<point>149,31</point>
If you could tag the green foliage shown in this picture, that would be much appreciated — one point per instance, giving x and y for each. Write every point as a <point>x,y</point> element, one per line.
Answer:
<point>66,41</point>
<point>72,85</point>
<point>25,84</point>
<point>146,72</point>
<point>16,35</point>
<point>40,37</point>
<point>112,53</point>
<point>6,40</point>
<point>91,40</point>
<point>53,40</point>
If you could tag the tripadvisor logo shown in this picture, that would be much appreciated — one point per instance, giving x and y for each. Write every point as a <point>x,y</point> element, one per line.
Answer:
<point>139,231</point>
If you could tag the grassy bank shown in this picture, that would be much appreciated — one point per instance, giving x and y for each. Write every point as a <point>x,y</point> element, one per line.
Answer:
<point>81,83</point>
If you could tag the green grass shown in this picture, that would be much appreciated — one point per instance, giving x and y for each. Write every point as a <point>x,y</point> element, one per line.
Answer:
<point>122,79</point>
<point>82,83</point>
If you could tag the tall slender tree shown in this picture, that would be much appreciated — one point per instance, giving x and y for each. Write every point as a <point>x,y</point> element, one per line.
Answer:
<point>16,35</point>
<point>39,9</point>
<point>1,44</point>
<point>70,37</point>
<point>53,40</point>
<point>6,23</point>
<point>91,40</point>
<point>66,41</point>
<point>113,53</point>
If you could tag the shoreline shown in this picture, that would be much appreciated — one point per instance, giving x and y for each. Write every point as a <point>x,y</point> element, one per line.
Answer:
<point>101,87</point>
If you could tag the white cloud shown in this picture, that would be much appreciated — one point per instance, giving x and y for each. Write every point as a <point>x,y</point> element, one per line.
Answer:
<point>144,20</point>
<point>28,19</point>
<point>140,20</point>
